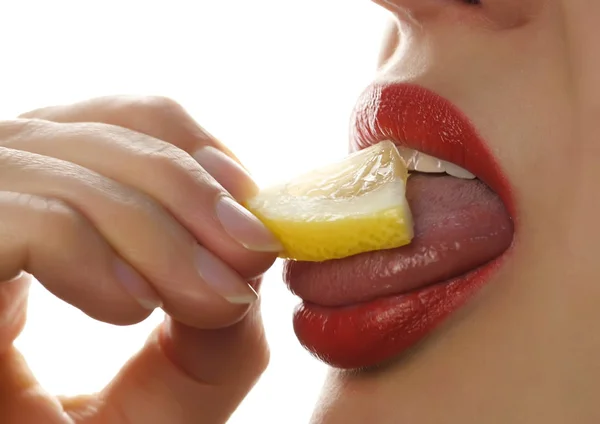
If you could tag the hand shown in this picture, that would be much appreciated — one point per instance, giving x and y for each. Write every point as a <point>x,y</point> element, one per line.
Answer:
<point>120,205</point>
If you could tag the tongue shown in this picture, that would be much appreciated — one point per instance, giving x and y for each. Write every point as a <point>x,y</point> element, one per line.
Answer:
<point>461,221</point>
<point>459,226</point>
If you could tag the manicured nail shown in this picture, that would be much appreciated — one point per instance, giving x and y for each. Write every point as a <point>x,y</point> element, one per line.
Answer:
<point>223,279</point>
<point>137,286</point>
<point>244,227</point>
<point>230,174</point>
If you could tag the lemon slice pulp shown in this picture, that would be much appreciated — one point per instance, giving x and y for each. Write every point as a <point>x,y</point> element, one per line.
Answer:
<point>353,206</point>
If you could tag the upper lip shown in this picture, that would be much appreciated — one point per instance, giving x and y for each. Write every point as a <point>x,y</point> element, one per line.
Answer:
<point>391,112</point>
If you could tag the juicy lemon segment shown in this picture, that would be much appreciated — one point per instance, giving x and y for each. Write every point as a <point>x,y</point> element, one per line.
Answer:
<point>353,206</point>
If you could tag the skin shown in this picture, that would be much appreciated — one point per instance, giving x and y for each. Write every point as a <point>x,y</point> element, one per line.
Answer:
<point>524,351</point>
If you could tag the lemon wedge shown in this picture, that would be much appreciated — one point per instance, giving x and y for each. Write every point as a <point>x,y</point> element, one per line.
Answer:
<point>355,205</point>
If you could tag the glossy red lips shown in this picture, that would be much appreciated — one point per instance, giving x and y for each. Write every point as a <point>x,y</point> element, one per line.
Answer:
<point>362,310</point>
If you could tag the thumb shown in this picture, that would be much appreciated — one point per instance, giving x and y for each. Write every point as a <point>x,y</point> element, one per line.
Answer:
<point>185,375</point>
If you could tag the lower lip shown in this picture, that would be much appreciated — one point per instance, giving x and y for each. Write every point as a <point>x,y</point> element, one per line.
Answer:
<point>367,334</point>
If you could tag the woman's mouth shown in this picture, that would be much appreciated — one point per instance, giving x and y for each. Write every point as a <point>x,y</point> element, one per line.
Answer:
<point>366,309</point>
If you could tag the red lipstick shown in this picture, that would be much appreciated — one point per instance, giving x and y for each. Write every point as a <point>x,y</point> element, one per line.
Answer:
<point>365,309</point>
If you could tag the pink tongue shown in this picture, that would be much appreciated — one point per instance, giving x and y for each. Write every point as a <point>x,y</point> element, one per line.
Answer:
<point>451,210</point>
<point>459,226</point>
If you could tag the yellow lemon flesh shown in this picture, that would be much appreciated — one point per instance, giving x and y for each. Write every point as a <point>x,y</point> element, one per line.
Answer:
<point>353,206</point>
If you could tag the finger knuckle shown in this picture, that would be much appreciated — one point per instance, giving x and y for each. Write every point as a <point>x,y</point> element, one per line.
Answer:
<point>9,128</point>
<point>162,104</point>
<point>154,108</point>
<point>17,128</point>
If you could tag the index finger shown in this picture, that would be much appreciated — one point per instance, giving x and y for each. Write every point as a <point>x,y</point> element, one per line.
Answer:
<point>156,116</point>
<point>162,167</point>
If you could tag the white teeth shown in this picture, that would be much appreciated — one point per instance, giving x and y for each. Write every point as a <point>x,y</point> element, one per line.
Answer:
<point>426,163</point>
<point>420,162</point>
<point>457,171</point>
<point>417,161</point>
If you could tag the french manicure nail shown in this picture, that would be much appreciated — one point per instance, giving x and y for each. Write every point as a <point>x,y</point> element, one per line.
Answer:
<point>137,286</point>
<point>223,279</point>
<point>244,227</point>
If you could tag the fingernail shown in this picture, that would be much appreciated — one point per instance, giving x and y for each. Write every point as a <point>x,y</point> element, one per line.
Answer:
<point>223,279</point>
<point>244,227</point>
<point>230,174</point>
<point>137,286</point>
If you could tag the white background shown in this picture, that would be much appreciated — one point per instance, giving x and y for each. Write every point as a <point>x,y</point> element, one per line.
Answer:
<point>274,79</point>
